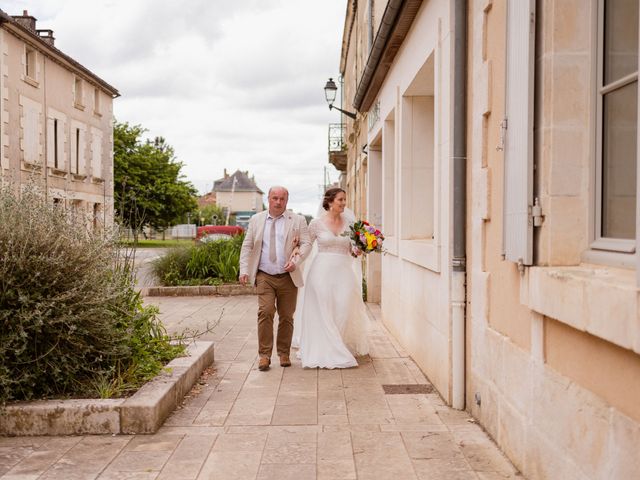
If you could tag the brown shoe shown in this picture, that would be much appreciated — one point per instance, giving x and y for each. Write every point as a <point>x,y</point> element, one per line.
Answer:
<point>285,361</point>
<point>263,364</point>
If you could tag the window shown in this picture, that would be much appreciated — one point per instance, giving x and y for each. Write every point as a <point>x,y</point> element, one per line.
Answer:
<point>77,148</point>
<point>389,175</point>
<point>30,63</point>
<point>96,101</point>
<point>56,157</point>
<point>77,156</point>
<point>617,123</point>
<point>77,93</point>
<point>55,141</point>
<point>417,156</point>
<point>97,216</point>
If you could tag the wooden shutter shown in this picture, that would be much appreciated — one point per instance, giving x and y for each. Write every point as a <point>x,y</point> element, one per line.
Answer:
<point>96,152</point>
<point>50,142</point>
<point>518,168</point>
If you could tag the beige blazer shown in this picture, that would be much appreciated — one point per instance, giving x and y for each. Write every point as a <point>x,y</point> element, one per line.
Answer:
<point>296,234</point>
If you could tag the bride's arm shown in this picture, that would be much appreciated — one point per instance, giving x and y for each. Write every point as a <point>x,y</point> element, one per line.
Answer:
<point>307,237</point>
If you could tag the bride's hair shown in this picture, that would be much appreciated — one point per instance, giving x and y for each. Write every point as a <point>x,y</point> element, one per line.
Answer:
<point>330,195</point>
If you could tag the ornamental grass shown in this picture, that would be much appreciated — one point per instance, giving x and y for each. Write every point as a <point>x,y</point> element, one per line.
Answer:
<point>71,322</point>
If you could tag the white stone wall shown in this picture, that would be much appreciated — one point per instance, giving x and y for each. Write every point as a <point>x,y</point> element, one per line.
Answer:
<point>415,287</point>
<point>550,424</point>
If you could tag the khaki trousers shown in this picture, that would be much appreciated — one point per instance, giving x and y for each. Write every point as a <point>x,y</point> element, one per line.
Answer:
<point>275,293</point>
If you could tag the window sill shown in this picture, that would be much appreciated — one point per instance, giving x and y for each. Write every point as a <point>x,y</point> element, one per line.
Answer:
<point>56,172</point>
<point>31,167</point>
<point>425,253</point>
<point>600,300</point>
<point>31,81</point>
<point>78,176</point>
<point>97,180</point>
<point>79,106</point>
<point>97,114</point>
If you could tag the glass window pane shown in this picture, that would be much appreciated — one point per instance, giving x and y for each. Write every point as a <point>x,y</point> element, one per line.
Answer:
<point>620,39</point>
<point>619,153</point>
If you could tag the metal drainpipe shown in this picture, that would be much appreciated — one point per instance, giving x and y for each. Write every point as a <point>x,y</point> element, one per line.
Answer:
<point>458,262</point>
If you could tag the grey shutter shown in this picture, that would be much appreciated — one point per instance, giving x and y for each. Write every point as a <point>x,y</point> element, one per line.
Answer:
<point>518,155</point>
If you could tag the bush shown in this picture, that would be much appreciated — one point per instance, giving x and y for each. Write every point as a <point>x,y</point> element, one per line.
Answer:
<point>210,263</point>
<point>72,322</point>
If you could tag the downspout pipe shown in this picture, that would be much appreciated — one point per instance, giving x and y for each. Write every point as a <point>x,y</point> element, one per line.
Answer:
<point>458,261</point>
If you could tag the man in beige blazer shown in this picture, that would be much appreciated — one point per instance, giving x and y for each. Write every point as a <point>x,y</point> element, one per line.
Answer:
<point>270,260</point>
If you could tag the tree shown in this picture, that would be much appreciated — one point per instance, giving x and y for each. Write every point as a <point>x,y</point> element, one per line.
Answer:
<point>149,189</point>
<point>211,215</point>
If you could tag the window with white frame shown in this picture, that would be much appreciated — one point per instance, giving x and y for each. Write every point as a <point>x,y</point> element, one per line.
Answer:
<point>30,63</point>
<point>617,125</point>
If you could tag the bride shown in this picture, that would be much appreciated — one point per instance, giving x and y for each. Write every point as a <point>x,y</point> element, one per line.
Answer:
<point>331,321</point>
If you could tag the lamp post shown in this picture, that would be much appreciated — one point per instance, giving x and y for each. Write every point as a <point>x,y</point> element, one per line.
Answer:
<point>330,90</point>
<point>233,189</point>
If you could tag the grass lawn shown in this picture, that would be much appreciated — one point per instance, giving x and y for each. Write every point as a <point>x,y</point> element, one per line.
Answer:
<point>143,243</point>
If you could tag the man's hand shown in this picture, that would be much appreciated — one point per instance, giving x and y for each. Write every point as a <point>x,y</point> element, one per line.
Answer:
<point>244,279</point>
<point>290,266</point>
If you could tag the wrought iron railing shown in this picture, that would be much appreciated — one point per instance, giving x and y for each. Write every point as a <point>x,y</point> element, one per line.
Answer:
<point>336,137</point>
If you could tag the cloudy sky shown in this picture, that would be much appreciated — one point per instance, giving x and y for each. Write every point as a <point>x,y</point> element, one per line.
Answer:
<point>234,84</point>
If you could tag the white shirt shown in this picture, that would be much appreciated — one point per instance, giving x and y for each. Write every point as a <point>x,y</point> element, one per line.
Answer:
<point>265,264</point>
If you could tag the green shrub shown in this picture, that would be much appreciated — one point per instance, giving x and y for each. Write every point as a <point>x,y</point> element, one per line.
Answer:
<point>210,263</point>
<point>71,320</point>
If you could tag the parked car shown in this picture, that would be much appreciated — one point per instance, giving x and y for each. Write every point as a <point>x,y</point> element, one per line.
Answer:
<point>208,233</point>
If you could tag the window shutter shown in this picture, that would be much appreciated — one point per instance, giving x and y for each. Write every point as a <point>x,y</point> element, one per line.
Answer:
<point>62,164</point>
<point>82,163</point>
<point>518,155</point>
<point>50,143</point>
<point>30,133</point>
<point>96,150</point>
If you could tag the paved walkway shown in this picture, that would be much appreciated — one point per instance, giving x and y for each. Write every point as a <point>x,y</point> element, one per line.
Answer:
<point>240,423</point>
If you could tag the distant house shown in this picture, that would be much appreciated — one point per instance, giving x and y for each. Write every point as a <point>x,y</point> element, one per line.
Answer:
<point>239,194</point>
<point>56,121</point>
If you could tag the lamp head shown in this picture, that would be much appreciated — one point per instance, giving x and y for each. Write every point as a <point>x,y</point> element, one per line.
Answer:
<point>330,90</point>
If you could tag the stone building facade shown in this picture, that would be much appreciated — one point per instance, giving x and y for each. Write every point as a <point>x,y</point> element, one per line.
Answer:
<point>56,121</point>
<point>534,329</point>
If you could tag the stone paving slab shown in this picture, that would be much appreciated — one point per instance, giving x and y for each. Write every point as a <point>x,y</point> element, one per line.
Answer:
<point>284,423</point>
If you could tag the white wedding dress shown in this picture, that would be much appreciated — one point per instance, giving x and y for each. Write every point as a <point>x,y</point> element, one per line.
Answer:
<point>331,322</point>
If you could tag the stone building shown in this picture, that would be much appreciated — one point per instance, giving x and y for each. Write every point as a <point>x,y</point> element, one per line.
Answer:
<point>497,141</point>
<point>239,194</point>
<point>56,121</point>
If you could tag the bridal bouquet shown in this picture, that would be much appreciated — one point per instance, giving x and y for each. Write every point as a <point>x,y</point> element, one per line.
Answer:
<point>365,238</point>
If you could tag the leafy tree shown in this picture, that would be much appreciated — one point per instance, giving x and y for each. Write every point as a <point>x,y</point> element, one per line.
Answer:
<point>148,186</point>
<point>211,215</point>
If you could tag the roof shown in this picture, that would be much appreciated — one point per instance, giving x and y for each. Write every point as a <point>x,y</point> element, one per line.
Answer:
<point>63,58</point>
<point>244,183</point>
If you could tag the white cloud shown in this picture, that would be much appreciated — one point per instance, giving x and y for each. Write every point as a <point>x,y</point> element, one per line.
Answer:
<point>230,84</point>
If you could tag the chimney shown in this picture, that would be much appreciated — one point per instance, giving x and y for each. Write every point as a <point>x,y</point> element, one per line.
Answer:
<point>226,175</point>
<point>26,20</point>
<point>47,36</point>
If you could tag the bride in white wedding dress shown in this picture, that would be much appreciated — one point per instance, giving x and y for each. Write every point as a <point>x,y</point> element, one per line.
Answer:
<point>331,321</point>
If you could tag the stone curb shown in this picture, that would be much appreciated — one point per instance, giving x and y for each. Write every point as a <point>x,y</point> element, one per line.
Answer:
<point>223,290</point>
<point>143,412</point>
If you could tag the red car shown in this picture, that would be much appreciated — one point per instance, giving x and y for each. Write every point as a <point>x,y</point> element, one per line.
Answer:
<point>214,232</point>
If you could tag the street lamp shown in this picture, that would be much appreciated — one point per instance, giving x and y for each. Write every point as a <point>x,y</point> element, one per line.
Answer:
<point>330,90</point>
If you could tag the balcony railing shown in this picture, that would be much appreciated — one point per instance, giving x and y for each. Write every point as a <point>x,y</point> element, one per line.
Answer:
<point>336,137</point>
<point>337,146</point>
